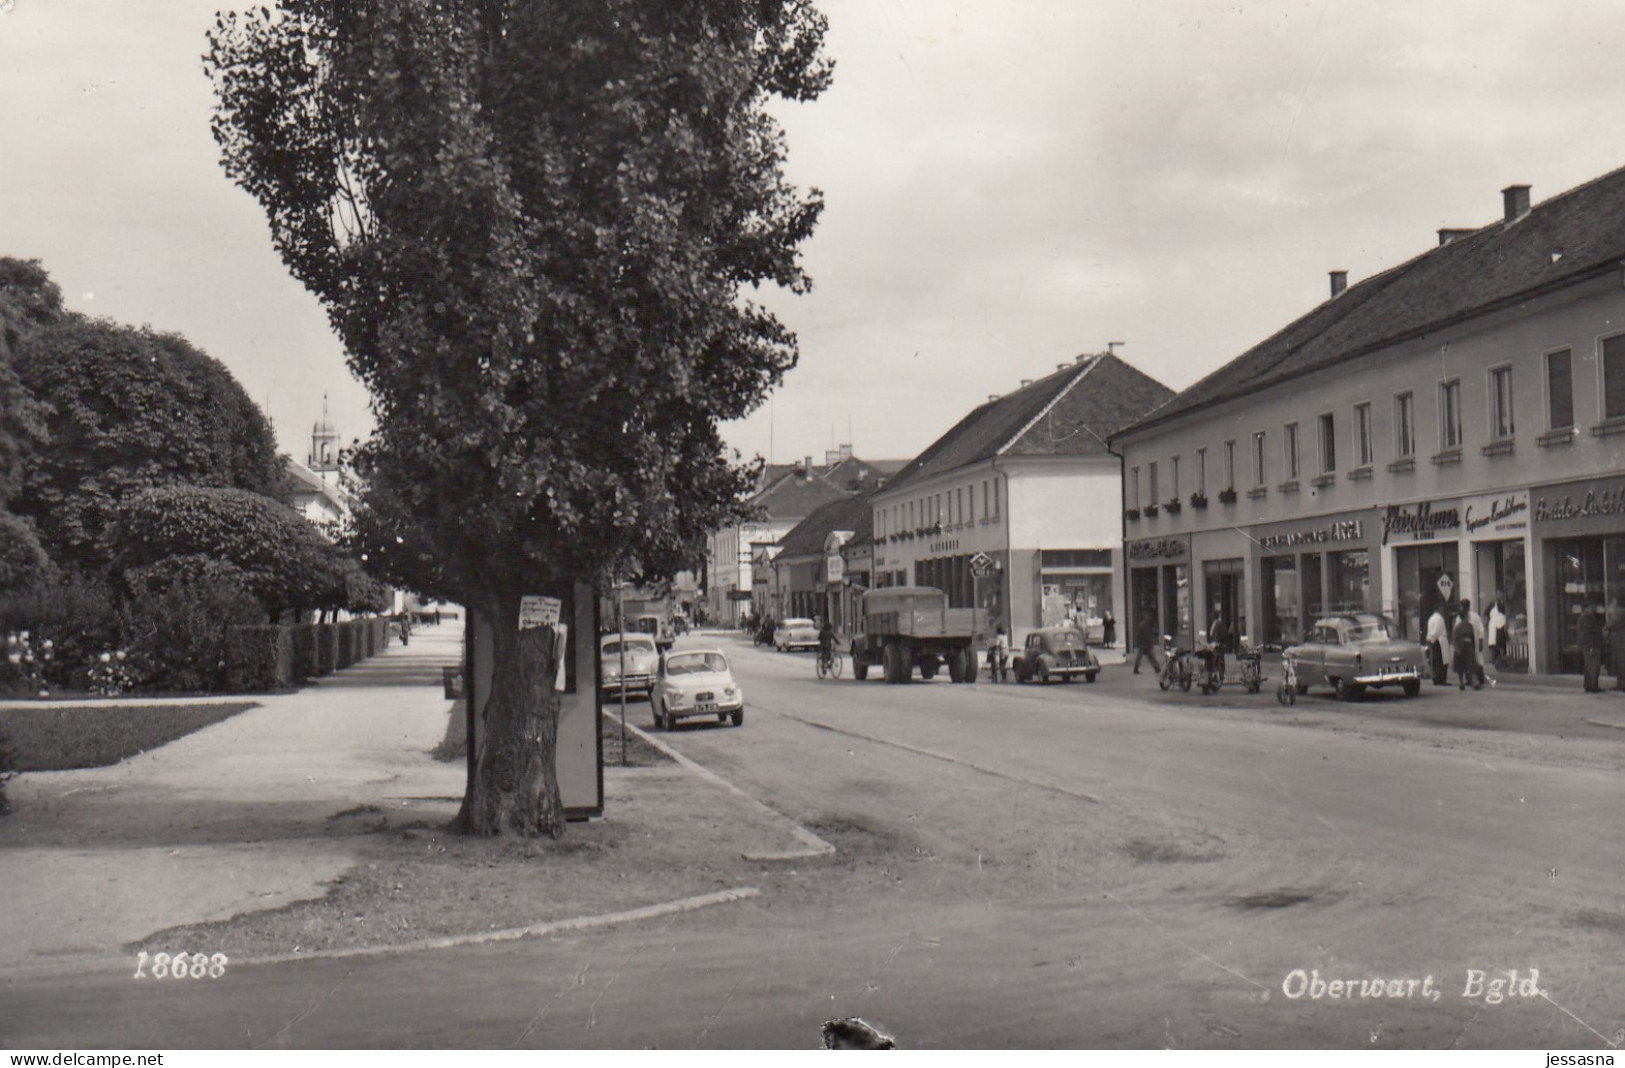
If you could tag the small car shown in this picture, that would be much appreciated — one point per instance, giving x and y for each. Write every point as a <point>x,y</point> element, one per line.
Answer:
<point>656,627</point>
<point>1351,651</point>
<point>793,634</point>
<point>696,682</point>
<point>1055,653</point>
<point>642,664</point>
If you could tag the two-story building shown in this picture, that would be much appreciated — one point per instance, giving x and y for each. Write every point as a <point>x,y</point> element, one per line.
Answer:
<point>1451,427</point>
<point>1025,482</point>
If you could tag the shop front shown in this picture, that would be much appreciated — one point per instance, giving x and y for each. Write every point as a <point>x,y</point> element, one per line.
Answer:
<point>1423,541</point>
<point>1160,586</point>
<point>1310,567</point>
<point>1496,527</point>
<point>1579,534</point>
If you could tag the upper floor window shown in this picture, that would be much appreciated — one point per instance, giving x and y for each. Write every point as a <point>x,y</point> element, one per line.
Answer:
<point>1613,377</point>
<point>1260,471</point>
<point>995,497</point>
<point>1559,390</point>
<point>1151,481</point>
<point>1134,487</point>
<point>1173,477</point>
<point>1328,443</point>
<point>1450,435</point>
<point>1201,472</point>
<point>1290,445</point>
<point>1405,424</point>
<point>1362,434</point>
<point>1501,402</point>
<point>1230,465</point>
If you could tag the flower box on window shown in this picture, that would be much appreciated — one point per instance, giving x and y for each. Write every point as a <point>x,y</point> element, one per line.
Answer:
<point>1198,501</point>
<point>1131,513</point>
<point>1173,505</point>
<point>1150,511</point>
<point>1227,496</point>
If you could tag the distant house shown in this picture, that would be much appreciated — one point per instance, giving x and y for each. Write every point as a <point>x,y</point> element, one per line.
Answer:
<point>787,494</point>
<point>318,495</point>
<point>810,569</point>
<point>1026,486</point>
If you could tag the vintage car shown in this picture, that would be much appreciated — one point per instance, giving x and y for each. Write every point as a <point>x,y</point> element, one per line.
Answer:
<point>696,682</point>
<point>656,627</point>
<point>1349,652</point>
<point>1055,653</point>
<point>793,634</point>
<point>642,663</point>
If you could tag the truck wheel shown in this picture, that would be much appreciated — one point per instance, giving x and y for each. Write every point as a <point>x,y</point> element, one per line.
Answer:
<point>956,668</point>
<point>929,666</point>
<point>972,663</point>
<point>860,666</point>
<point>891,664</point>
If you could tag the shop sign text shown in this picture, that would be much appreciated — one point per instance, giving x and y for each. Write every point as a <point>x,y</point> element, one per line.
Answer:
<point>1554,509</point>
<point>1418,522</point>
<point>1499,514</point>
<point>1347,530</point>
<point>1156,550</point>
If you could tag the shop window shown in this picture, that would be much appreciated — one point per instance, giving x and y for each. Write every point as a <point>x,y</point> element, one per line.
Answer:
<point>1350,581</point>
<point>1613,377</point>
<point>1450,414</point>
<point>1405,424</point>
<point>1290,444</point>
<point>1559,390</point>
<point>1501,402</point>
<point>1362,434</point>
<point>1328,443</point>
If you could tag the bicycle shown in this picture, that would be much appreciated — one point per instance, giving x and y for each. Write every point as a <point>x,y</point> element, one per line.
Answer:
<point>1176,667</point>
<point>829,665</point>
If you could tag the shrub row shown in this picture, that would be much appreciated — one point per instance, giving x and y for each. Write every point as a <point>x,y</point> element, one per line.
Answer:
<point>277,657</point>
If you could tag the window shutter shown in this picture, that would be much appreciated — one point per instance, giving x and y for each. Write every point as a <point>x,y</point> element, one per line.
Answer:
<point>1613,378</point>
<point>1560,389</point>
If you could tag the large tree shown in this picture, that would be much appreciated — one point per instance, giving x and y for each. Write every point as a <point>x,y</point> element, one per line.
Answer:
<point>532,222</point>
<point>127,410</point>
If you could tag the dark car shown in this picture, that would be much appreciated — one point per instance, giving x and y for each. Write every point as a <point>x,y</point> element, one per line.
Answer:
<point>1352,651</point>
<point>1055,653</point>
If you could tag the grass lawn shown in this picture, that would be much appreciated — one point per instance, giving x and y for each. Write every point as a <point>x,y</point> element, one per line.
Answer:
<point>51,738</point>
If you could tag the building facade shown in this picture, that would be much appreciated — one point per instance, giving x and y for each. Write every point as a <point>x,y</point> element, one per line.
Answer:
<point>1027,484</point>
<point>1450,428</point>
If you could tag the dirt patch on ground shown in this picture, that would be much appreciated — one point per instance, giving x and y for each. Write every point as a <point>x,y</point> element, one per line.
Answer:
<point>58,738</point>
<point>665,836</point>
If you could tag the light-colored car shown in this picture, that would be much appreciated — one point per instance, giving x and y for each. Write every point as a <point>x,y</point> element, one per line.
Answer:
<point>642,664</point>
<point>656,627</point>
<point>793,634</point>
<point>696,682</point>
<point>1055,653</point>
<point>1351,651</point>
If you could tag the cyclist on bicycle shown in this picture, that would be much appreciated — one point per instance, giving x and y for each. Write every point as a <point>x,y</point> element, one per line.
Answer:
<point>826,642</point>
<point>998,654</point>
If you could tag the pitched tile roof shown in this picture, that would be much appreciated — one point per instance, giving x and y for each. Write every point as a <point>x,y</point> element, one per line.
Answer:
<point>807,536</point>
<point>1069,413</point>
<point>1571,237</point>
<point>795,495</point>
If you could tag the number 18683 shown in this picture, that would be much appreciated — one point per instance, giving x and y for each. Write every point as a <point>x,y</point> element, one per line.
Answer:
<point>181,966</point>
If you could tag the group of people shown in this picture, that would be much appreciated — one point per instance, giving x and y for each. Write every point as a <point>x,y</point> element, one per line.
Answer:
<point>1462,640</point>
<point>1597,631</point>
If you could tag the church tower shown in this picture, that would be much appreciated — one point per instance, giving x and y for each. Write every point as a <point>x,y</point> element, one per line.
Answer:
<point>324,444</point>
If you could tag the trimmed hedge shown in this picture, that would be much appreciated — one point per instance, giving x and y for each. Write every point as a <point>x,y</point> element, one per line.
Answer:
<point>327,648</point>
<point>259,658</point>
<point>305,664</point>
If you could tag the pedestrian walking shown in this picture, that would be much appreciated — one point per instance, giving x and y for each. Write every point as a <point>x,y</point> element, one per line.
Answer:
<point>1479,637</point>
<point>1613,632</point>
<point>1438,641</point>
<point>1591,643</point>
<point>1218,637</point>
<point>1108,629</point>
<point>1497,640</point>
<point>1464,645</point>
<point>1145,642</point>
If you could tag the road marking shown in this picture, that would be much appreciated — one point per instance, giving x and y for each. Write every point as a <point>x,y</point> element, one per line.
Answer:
<point>933,754</point>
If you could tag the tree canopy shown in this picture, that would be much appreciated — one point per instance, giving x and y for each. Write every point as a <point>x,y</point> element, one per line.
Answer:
<point>533,223</point>
<point>127,410</point>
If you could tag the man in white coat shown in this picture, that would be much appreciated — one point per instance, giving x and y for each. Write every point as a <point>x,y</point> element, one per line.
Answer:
<point>1438,642</point>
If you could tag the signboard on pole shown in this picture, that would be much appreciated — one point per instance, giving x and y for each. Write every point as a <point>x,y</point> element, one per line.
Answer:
<point>981,565</point>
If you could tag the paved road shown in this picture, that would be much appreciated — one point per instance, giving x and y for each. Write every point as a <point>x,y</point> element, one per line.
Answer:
<point>1080,865</point>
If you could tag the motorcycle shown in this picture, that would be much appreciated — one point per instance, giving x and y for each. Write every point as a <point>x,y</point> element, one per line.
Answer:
<point>1177,669</point>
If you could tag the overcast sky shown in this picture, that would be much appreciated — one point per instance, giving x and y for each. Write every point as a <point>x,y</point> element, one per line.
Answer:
<point>1010,183</point>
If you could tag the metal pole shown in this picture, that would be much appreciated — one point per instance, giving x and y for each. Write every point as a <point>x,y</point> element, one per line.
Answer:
<point>620,643</point>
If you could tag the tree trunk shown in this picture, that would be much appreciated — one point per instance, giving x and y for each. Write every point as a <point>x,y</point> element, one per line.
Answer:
<point>515,789</point>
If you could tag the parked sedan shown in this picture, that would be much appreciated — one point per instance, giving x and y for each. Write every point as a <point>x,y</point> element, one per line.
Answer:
<point>696,682</point>
<point>642,663</point>
<point>1055,653</point>
<point>1350,652</point>
<point>795,634</point>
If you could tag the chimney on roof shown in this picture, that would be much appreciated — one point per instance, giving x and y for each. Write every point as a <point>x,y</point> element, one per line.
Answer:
<point>807,466</point>
<point>845,451</point>
<point>1062,366</point>
<point>1340,281</point>
<point>1025,382</point>
<point>992,397</point>
<point>831,457</point>
<point>1113,346</point>
<point>1515,198</point>
<point>1448,235</point>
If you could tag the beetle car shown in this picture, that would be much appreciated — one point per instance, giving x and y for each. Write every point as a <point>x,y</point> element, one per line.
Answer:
<point>793,634</point>
<point>1055,653</point>
<point>1352,651</point>
<point>696,682</point>
<point>642,662</point>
